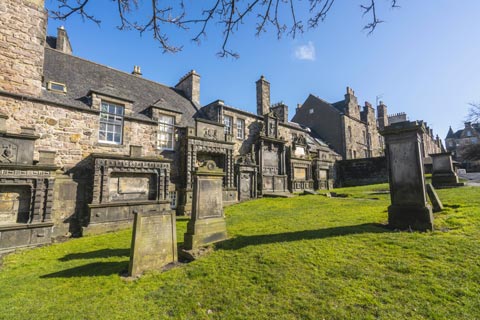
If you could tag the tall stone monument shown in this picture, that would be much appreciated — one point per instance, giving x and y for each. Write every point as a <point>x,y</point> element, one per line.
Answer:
<point>207,224</point>
<point>443,174</point>
<point>409,208</point>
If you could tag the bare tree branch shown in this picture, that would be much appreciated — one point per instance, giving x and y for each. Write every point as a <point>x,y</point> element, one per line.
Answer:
<point>474,112</point>
<point>281,15</point>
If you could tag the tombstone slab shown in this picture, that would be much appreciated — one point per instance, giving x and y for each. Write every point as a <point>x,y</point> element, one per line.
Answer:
<point>409,208</point>
<point>154,241</point>
<point>443,174</point>
<point>434,199</point>
<point>207,224</point>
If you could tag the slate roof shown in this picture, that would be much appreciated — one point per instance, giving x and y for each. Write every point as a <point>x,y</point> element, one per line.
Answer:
<point>82,76</point>
<point>458,134</point>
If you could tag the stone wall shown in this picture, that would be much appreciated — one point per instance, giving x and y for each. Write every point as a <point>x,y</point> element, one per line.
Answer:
<point>360,172</point>
<point>22,38</point>
<point>324,119</point>
<point>71,132</point>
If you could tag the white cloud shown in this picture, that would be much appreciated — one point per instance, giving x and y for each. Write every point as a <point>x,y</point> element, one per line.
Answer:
<point>305,52</point>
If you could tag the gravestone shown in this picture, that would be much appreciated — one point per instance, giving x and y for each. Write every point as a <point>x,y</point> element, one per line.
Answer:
<point>409,208</point>
<point>154,241</point>
<point>443,174</point>
<point>207,224</point>
<point>434,199</point>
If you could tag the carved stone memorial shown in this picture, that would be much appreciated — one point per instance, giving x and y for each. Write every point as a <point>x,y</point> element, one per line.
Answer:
<point>26,191</point>
<point>207,224</point>
<point>154,241</point>
<point>409,208</point>
<point>443,174</point>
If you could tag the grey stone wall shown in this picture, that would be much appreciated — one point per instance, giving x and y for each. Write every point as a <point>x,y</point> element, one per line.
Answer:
<point>360,172</point>
<point>323,119</point>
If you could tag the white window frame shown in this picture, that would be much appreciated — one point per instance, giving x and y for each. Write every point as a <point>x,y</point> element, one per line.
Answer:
<point>240,129</point>
<point>111,123</point>
<point>228,127</point>
<point>166,132</point>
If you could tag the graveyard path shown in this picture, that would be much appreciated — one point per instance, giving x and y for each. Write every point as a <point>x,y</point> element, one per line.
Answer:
<point>472,177</point>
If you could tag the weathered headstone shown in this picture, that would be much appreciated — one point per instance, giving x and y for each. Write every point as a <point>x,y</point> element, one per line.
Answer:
<point>154,241</point>
<point>207,224</point>
<point>409,208</point>
<point>443,174</point>
<point>434,199</point>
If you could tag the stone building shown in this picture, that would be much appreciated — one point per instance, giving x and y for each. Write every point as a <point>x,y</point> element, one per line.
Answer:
<point>353,131</point>
<point>457,141</point>
<point>349,129</point>
<point>84,145</point>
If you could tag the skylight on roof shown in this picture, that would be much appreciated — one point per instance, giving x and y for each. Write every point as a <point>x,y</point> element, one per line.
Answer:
<point>56,86</point>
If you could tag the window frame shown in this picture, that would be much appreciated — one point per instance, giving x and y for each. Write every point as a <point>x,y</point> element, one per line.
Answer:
<point>240,129</point>
<point>167,126</point>
<point>104,118</point>
<point>228,129</point>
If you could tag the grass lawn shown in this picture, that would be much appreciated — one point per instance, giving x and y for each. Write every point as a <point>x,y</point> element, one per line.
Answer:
<point>308,257</point>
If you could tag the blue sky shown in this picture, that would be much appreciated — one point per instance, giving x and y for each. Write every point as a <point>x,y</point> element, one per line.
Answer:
<point>424,60</point>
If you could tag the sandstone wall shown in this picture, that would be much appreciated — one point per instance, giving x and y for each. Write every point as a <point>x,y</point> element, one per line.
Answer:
<point>72,133</point>
<point>22,38</point>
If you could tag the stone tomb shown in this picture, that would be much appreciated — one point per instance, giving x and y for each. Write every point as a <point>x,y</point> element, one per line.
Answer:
<point>443,174</point>
<point>409,208</point>
<point>207,224</point>
<point>154,241</point>
<point>26,191</point>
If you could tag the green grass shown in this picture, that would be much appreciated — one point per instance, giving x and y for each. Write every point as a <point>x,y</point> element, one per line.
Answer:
<point>308,257</point>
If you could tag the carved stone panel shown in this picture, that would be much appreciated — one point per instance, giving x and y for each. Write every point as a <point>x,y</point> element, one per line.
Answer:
<point>211,198</point>
<point>300,173</point>
<point>14,204</point>
<point>245,186</point>
<point>8,151</point>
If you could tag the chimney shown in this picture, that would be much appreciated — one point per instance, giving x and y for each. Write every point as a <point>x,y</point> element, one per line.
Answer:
<point>190,85</point>
<point>281,111</point>
<point>263,96</point>
<point>382,115</point>
<point>368,113</point>
<point>63,43</point>
<point>351,104</point>
<point>137,71</point>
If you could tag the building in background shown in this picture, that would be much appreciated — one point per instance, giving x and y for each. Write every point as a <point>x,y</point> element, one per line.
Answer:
<point>457,142</point>
<point>353,131</point>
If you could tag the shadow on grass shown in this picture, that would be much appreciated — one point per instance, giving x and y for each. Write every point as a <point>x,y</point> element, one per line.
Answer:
<point>103,253</point>
<point>90,270</point>
<point>245,241</point>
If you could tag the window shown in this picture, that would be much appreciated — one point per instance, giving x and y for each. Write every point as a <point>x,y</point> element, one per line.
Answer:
<point>56,86</point>
<point>166,132</point>
<point>240,129</point>
<point>350,133</point>
<point>227,121</point>
<point>111,123</point>
<point>310,111</point>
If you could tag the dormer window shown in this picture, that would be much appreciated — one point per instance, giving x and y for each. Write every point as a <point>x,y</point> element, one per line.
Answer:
<point>111,123</point>
<point>57,87</point>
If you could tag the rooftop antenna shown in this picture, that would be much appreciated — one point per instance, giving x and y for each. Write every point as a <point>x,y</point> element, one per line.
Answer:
<point>377,99</point>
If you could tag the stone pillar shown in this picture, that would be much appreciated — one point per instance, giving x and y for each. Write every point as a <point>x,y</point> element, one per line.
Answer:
<point>443,174</point>
<point>207,224</point>
<point>409,208</point>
